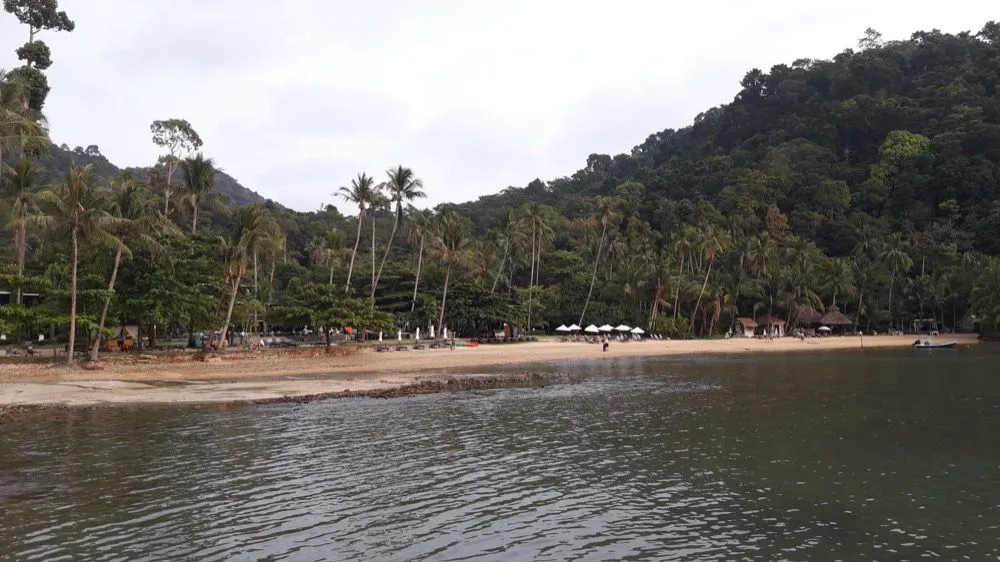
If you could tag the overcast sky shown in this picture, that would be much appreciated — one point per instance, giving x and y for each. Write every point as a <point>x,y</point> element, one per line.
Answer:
<point>294,98</point>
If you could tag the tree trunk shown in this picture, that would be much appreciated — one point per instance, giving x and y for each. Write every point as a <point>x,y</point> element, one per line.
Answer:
<point>677,289</point>
<point>331,275</point>
<point>229,311</point>
<point>194,218</point>
<point>22,250</point>
<point>593,277</point>
<point>354,254</point>
<point>702,293</point>
<point>444,299</point>
<point>72,299</point>
<point>892,282</point>
<point>96,346</point>
<point>857,319</point>
<point>373,250</point>
<point>385,256</point>
<point>531,277</point>
<point>168,188</point>
<point>416,282</point>
<point>506,250</point>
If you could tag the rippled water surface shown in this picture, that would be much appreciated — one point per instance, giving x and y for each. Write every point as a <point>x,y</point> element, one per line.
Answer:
<point>889,456</point>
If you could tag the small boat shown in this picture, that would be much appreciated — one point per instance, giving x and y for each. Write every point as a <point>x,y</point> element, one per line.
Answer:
<point>927,344</point>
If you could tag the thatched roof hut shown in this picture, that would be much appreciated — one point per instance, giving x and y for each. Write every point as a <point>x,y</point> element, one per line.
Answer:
<point>834,317</point>
<point>769,320</point>
<point>806,315</point>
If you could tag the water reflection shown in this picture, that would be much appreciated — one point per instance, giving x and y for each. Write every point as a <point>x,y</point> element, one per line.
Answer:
<point>757,458</point>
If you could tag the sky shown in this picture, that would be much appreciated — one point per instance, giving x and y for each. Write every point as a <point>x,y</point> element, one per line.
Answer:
<point>295,98</point>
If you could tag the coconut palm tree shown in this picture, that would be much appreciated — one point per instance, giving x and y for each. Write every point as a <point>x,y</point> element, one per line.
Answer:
<point>254,225</point>
<point>714,243</point>
<point>378,203</point>
<point>20,127</point>
<point>536,217</point>
<point>682,248</point>
<point>839,278</point>
<point>451,241</point>
<point>421,224</point>
<point>79,209</point>
<point>894,255</point>
<point>507,234</point>
<point>403,187</point>
<point>361,192</point>
<point>607,213</point>
<point>199,181</point>
<point>21,183</point>
<point>138,225</point>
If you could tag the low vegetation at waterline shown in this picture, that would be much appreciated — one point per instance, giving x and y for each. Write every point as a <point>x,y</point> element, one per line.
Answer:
<point>868,182</point>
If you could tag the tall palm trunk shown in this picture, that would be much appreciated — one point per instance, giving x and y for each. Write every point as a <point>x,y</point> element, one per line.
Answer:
<point>167,191</point>
<point>96,345</point>
<point>593,276</point>
<point>22,249</point>
<point>677,289</point>
<point>506,251</point>
<point>385,256</point>
<point>857,320</point>
<point>444,299</point>
<point>892,282</point>
<point>701,294</point>
<point>72,298</point>
<point>331,275</point>
<point>531,277</point>
<point>373,251</point>
<point>194,218</point>
<point>229,311</point>
<point>416,283</point>
<point>354,254</point>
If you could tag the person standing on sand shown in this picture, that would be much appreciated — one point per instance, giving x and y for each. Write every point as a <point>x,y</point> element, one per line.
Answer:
<point>604,343</point>
<point>453,343</point>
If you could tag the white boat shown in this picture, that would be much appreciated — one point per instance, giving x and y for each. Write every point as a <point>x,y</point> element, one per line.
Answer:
<point>928,344</point>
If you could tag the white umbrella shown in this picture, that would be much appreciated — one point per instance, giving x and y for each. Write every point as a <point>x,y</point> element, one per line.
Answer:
<point>562,328</point>
<point>638,331</point>
<point>574,328</point>
<point>623,328</point>
<point>606,328</point>
<point>592,329</point>
<point>824,329</point>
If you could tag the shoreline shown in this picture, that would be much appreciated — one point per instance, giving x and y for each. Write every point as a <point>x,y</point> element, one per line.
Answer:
<point>314,374</point>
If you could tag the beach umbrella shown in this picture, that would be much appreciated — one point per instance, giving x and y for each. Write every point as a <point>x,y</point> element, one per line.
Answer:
<point>824,329</point>
<point>623,328</point>
<point>574,328</point>
<point>562,328</point>
<point>606,328</point>
<point>638,331</point>
<point>592,329</point>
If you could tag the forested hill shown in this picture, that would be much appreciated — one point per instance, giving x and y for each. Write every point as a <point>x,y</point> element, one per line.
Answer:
<point>60,158</point>
<point>902,136</point>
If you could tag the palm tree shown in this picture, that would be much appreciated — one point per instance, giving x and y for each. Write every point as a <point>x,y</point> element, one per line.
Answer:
<point>682,247</point>
<point>22,181</point>
<point>506,234</point>
<point>379,202</point>
<point>138,225</point>
<point>254,225</point>
<point>607,213</point>
<point>361,193</point>
<point>20,127</point>
<point>713,244</point>
<point>421,223</point>
<point>452,238</point>
<point>403,187</point>
<point>898,260</point>
<point>79,210</point>
<point>199,180</point>
<point>839,277</point>
<point>535,215</point>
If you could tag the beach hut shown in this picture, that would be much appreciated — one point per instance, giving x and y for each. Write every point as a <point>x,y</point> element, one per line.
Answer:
<point>836,320</point>
<point>807,316</point>
<point>744,327</point>
<point>771,324</point>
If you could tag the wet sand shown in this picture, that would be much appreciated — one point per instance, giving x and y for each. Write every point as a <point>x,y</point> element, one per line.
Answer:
<point>281,375</point>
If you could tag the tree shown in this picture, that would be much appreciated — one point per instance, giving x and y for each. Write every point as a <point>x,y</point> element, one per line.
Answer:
<point>79,209</point>
<point>895,256</point>
<point>713,244</point>
<point>871,40</point>
<point>839,278</point>
<point>361,193</point>
<point>179,139</point>
<point>20,128</point>
<point>138,225</point>
<point>38,15</point>
<point>421,225</point>
<point>21,183</point>
<point>452,240</point>
<point>254,224</point>
<point>607,213</point>
<point>199,181</point>
<point>403,187</point>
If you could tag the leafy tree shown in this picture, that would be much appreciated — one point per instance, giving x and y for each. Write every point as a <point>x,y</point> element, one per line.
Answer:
<point>178,138</point>
<point>38,15</point>
<point>451,245</point>
<point>22,184</point>
<point>199,180</point>
<point>21,128</point>
<point>607,213</point>
<point>253,226</point>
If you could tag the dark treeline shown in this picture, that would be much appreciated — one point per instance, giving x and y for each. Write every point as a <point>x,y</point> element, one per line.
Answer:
<point>868,183</point>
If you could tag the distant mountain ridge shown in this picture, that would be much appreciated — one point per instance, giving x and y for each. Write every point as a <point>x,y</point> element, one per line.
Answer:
<point>61,157</point>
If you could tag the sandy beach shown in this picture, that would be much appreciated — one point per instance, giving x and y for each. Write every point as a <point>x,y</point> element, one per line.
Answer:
<point>278,374</point>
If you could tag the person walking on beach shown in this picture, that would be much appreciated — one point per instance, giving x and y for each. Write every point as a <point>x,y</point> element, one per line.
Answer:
<point>604,343</point>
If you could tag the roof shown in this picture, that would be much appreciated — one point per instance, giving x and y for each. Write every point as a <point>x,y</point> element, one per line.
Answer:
<point>747,322</point>
<point>806,314</point>
<point>834,317</point>
<point>769,320</point>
